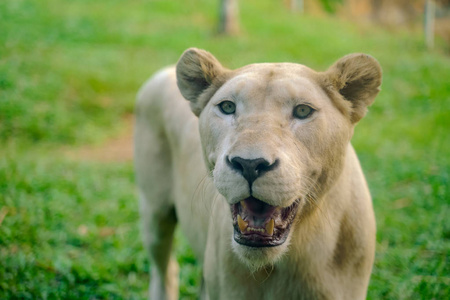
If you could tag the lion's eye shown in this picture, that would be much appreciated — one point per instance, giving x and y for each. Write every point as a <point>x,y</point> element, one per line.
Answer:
<point>302,111</point>
<point>227,107</point>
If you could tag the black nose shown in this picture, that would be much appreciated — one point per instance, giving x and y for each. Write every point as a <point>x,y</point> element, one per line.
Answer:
<point>251,169</point>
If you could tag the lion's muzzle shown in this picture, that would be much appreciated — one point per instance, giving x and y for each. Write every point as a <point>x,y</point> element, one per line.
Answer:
<point>251,169</point>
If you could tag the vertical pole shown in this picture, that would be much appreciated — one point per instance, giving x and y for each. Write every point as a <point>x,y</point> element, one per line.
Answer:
<point>430,9</point>
<point>229,14</point>
<point>297,5</point>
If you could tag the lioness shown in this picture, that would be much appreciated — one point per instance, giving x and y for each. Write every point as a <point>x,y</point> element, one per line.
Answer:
<point>261,177</point>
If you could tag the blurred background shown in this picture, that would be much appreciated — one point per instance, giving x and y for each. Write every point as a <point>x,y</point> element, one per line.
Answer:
<point>69,73</point>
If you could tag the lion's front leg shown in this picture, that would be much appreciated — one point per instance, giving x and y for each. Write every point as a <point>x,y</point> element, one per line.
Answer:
<point>158,230</point>
<point>158,217</point>
<point>164,286</point>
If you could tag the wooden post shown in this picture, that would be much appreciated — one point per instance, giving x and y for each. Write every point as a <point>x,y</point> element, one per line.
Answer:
<point>229,17</point>
<point>297,5</point>
<point>430,12</point>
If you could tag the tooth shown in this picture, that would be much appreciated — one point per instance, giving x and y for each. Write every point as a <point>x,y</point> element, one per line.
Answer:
<point>270,226</point>
<point>241,223</point>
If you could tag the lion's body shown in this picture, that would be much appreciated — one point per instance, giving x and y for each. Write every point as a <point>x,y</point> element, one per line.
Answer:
<point>330,249</point>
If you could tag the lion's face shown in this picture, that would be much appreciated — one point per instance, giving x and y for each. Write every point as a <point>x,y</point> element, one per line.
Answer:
<point>274,137</point>
<point>269,135</point>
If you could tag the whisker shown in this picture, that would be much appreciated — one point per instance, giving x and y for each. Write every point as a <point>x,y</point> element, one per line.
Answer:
<point>268,273</point>
<point>200,184</point>
<point>213,204</point>
<point>201,191</point>
<point>312,199</point>
<point>310,189</point>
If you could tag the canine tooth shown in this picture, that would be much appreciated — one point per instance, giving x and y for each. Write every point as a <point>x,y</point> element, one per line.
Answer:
<point>241,223</point>
<point>270,226</point>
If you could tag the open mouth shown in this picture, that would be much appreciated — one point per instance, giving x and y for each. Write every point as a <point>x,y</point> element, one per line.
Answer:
<point>258,224</point>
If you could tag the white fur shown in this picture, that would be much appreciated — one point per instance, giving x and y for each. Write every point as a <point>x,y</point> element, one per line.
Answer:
<point>175,178</point>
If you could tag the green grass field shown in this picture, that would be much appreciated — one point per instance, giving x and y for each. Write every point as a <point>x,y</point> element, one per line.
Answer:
<point>69,72</point>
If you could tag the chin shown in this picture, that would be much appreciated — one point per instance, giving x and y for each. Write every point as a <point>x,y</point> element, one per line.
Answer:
<point>256,258</point>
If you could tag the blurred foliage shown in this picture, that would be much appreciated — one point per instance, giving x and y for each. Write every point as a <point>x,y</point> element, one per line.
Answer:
<point>57,243</point>
<point>69,72</point>
<point>330,5</point>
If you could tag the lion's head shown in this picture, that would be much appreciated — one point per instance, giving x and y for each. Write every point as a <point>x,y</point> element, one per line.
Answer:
<point>274,138</point>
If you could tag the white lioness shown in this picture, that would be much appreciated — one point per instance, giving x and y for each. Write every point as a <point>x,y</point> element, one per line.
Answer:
<point>261,177</point>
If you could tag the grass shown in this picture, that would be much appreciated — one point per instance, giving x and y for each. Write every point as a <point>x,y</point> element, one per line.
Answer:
<point>69,71</point>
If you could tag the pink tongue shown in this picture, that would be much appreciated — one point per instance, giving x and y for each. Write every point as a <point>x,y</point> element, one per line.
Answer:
<point>258,207</point>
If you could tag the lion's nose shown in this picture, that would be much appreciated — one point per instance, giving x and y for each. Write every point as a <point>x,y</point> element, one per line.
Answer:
<point>251,169</point>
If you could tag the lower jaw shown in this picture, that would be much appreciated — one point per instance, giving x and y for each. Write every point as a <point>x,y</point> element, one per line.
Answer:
<point>257,241</point>
<point>256,258</point>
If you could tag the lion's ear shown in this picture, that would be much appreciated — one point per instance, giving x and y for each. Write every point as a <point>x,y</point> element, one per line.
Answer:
<point>357,78</point>
<point>197,70</point>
